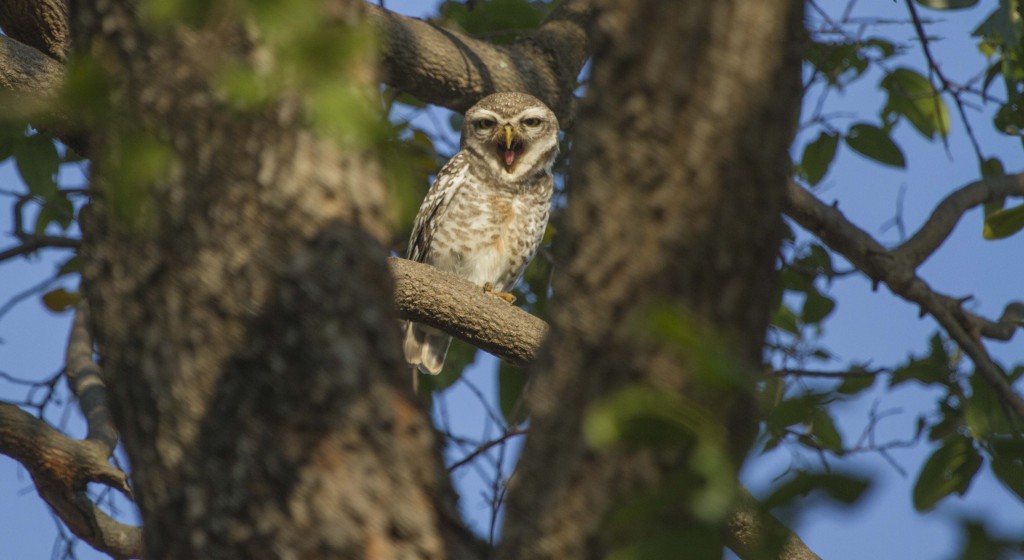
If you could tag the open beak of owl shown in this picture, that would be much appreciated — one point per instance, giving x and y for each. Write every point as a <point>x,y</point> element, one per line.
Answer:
<point>510,147</point>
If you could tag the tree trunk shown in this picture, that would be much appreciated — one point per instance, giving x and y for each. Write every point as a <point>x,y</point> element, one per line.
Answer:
<point>675,197</point>
<point>242,306</point>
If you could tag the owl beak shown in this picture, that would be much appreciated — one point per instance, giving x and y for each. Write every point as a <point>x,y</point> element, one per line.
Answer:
<point>510,153</point>
<point>508,137</point>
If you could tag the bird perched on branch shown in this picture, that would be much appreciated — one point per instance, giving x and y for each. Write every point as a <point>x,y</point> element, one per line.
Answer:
<point>485,214</point>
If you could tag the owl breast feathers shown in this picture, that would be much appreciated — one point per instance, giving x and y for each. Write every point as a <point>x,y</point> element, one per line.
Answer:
<point>484,217</point>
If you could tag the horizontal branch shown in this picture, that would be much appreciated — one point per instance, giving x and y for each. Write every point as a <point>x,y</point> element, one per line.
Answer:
<point>898,272</point>
<point>26,70</point>
<point>431,296</point>
<point>33,243</point>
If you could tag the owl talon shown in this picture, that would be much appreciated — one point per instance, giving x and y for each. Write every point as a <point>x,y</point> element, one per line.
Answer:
<point>489,289</point>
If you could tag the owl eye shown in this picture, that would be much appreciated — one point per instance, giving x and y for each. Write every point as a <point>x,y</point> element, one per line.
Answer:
<point>484,124</point>
<point>531,122</point>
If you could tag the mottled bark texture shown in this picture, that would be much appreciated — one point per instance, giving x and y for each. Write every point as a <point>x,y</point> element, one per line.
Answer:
<point>675,197</point>
<point>41,24</point>
<point>242,306</point>
<point>455,71</point>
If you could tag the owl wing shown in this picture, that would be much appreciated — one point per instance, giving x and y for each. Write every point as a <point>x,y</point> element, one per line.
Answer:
<point>450,179</point>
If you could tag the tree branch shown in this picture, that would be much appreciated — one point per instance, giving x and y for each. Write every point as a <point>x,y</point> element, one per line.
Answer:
<point>946,215</point>
<point>753,531</point>
<point>35,242</point>
<point>41,24</point>
<point>61,467</point>
<point>26,70</point>
<point>427,295</point>
<point>898,272</point>
<point>84,379</point>
<point>450,69</point>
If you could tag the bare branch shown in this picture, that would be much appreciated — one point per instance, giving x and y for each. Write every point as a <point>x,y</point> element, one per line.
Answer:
<point>848,374</point>
<point>61,467</point>
<point>898,272</point>
<point>427,295</point>
<point>83,376</point>
<point>945,216</point>
<point>450,69</point>
<point>35,242</point>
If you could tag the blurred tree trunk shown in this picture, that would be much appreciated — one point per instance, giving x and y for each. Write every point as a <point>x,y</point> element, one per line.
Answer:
<point>674,203</point>
<point>242,306</point>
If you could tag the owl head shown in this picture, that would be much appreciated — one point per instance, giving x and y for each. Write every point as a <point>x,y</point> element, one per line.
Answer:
<point>514,133</point>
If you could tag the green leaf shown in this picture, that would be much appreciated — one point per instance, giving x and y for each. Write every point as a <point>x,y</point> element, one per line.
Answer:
<point>37,161</point>
<point>844,488</point>
<point>644,415</point>
<point>816,307</point>
<point>511,382</point>
<point>839,63</point>
<point>785,319</point>
<point>1008,461</point>
<point>992,167</point>
<point>60,300</point>
<point>875,143</point>
<point>1004,223</point>
<point>856,383</point>
<point>983,412</point>
<point>10,134</point>
<point>932,368</point>
<point>58,209</point>
<point>949,469</point>
<point>1011,473</point>
<point>947,4</point>
<point>498,21</point>
<point>818,156</point>
<point>823,428</point>
<point>913,96</point>
<point>70,266</point>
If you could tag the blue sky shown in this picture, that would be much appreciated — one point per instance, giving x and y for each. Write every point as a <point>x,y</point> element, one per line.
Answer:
<point>867,326</point>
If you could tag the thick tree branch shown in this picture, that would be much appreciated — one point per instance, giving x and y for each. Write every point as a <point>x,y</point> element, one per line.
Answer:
<point>451,69</point>
<point>26,70</point>
<point>898,271</point>
<point>42,24</point>
<point>427,295</point>
<point>60,468</point>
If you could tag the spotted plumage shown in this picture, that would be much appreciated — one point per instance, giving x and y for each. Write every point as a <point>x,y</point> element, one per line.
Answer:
<point>485,214</point>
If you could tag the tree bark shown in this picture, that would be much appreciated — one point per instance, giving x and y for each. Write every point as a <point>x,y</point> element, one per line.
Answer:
<point>674,202</point>
<point>242,306</point>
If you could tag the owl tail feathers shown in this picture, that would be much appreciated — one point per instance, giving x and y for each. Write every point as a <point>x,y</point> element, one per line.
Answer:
<point>425,347</point>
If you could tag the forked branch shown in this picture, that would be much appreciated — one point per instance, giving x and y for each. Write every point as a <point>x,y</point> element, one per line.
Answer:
<point>61,467</point>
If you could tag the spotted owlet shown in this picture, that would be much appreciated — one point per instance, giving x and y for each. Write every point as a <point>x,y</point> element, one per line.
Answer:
<point>485,214</point>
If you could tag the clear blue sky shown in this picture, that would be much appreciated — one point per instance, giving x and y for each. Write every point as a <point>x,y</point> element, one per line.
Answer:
<point>867,326</point>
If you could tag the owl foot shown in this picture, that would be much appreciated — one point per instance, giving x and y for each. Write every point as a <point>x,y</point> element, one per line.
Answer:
<point>489,289</point>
